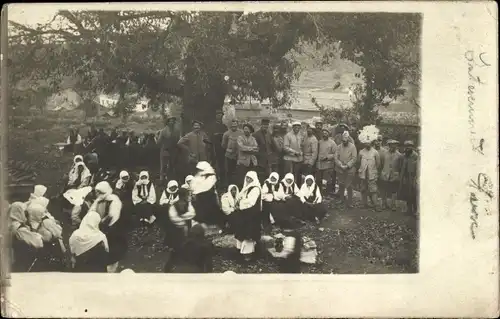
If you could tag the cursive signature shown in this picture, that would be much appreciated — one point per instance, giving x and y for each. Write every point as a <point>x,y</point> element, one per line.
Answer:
<point>474,61</point>
<point>481,185</point>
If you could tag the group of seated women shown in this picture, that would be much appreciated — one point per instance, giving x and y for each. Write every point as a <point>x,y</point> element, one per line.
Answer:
<point>100,218</point>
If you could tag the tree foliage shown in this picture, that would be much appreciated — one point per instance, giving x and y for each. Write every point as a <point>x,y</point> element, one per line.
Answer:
<point>201,58</point>
<point>385,45</point>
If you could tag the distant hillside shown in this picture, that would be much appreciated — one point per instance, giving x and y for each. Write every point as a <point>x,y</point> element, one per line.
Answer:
<point>318,80</point>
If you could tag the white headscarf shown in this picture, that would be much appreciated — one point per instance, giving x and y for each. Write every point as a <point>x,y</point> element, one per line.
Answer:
<point>171,184</point>
<point>205,179</point>
<point>48,228</point>
<point>172,196</point>
<point>88,235</point>
<point>246,185</point>
<point>288,176</point>
<point>105,189</point>
<point>38,193</point>
<point>276,176</point>
<point>188,179</point>
<point>73,174</point>
<point>77,157</point>
<point>228,202</point>
<point>120,183</point>
<point>205,167</point>
<point>143,181</point>
<point>307,191</point>
<point>76,197</point>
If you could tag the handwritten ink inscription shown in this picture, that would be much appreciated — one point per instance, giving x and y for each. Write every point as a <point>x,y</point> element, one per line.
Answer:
<point>481,186</point>
<point>474,63</point>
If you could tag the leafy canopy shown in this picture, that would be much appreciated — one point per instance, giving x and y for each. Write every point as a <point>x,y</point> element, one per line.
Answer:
<point>166,55</point>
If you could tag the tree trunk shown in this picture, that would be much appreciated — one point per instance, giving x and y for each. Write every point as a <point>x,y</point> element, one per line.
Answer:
<point>201,107</point>
<point>201,103</point>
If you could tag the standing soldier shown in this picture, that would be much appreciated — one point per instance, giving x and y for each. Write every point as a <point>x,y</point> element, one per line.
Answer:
<point>276,160</point>
<point>389,175</point>
<point>318,130</point>
<point>266,148</point>
<point>247,148</point>
<point>310,151</point>
<point>197,146</point>
<point>293,147</point>
<point>368,173</point>
<point>167,141</point>
<point>345,161</point>
<point>409,177</point>
<point>327,150</point>
<point>230,144</point>
<point>215,131</point>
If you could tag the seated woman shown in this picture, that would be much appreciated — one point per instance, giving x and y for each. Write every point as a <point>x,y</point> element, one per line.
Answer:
<point>123,189</point>
<point>89,246</point>
<point>144,198</point>
<point>38,195</point>
<point>25,243</point>
<point>246,219</point>
<point>79,175</point>
<point>287,205</point>
<point>114,224</point>
<point>228,200</point>
<point>205,198</point>
<point>228,203</point>
<point>270,191</point>
<point>194,255</point>
<point>169,196</point>
<point>76,205</point>
<point>180,214</point>
<point>310,195</point>
<point>52,255</point>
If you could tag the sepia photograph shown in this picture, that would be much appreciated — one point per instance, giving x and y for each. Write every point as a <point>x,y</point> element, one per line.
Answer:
<point>247,142</point>
<point>232,141</point>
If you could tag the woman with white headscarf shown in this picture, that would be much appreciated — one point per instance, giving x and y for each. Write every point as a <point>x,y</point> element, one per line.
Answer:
<point>169,196</point>
<point>113,224</point>
<point>310,195</point>
<point>77,202</point>
<point>205,197</point>
<point>38,192</point>
<point>270,190</point>
<point>246,219</point>
<point>187,182</point>
<point>228,203</point>
<point>187,185</point>
<point>178,220</point>
<point>51,257</point>
<point>144,198</point>
<point>287,205</point>
<point>38,196</point>
<point>124,187</point>
<point>89,246</point>
<point>228,200</point>
<point>24,242</point>
<point>79,176</point>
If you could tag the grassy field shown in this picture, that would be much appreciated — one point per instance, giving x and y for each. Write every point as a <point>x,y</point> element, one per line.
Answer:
<point>350,241</point>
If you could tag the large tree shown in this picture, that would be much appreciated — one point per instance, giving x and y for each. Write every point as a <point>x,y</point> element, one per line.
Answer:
<point>201,58</point>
